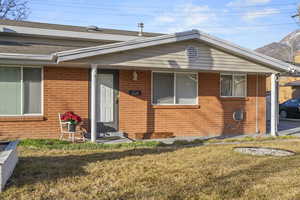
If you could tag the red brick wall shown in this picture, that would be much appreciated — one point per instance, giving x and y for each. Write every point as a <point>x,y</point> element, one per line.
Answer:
<point>212,117</point>
<point>65,89</point>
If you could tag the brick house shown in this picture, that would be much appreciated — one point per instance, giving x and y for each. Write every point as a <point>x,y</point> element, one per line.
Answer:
<point>183,84</point>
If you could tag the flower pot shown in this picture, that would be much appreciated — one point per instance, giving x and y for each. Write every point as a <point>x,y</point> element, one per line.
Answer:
<point>72,127</point>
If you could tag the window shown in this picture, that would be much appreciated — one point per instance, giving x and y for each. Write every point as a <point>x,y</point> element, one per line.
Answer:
<point>233,85</point>
<point>174,88</point>
<point>21,90</point>
<point>163,88</point>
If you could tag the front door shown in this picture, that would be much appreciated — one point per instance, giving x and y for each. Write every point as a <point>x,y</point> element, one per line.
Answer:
<point>107,114</point>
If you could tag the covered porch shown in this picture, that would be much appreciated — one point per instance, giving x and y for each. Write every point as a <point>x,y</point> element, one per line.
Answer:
<point>128,106</point>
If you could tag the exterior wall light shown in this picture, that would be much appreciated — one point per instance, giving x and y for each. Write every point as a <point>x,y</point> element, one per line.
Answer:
<point>134,76</point>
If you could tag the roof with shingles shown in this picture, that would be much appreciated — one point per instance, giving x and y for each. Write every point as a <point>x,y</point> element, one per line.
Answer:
<point>56,52</point>
<point>38,47</point>
<point>74,28</point>
<point>21,44</point>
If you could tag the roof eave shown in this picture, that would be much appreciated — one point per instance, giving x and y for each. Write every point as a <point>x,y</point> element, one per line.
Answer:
<point>246,53</point>
<point>34,57</point>
<point>53,33</point>
<point>123,46</point>
<point>75,54</point>
<point>164,39</point>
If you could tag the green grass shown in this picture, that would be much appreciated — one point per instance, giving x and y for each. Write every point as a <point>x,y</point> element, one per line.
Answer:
<point>251,139</point>
<point>66,145</point>
<point>42,142</point>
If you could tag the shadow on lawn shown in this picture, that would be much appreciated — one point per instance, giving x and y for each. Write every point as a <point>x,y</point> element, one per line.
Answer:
<point>32,170</point>
<point>235,184</point>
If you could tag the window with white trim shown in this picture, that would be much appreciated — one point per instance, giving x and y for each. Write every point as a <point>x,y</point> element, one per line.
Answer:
<point>233,85</point>
<point>174,88</point>
<point>21,91</point>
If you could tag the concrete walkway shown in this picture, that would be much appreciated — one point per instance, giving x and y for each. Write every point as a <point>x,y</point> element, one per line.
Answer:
<point>114,141</point>
<point>290,128</point>
<point>192,138</point>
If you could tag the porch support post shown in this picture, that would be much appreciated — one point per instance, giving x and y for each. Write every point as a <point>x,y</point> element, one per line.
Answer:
<point>274,105</point>
<point>93,102</point>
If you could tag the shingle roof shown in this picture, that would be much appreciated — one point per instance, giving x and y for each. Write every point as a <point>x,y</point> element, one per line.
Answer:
<point>21,44</point>
<point>73,28</point>
<point>58,52</point>
<point>38,47</point>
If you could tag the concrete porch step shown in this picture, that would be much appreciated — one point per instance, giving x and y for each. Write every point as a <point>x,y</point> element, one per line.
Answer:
<point>112,134</point>
<point>113,141</point>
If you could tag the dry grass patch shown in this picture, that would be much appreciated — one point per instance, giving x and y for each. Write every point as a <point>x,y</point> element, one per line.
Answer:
<point>204,172</point>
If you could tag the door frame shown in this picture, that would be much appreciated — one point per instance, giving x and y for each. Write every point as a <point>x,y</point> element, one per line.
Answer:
<point>115,74</point>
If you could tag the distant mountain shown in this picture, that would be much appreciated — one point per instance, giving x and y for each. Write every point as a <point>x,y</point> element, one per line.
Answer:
<point>282,50</point>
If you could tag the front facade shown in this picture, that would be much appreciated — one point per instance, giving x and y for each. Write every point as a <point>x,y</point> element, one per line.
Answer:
<point>184,84</point>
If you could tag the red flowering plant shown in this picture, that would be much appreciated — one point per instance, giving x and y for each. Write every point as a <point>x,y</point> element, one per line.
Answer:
<point>70,117</point>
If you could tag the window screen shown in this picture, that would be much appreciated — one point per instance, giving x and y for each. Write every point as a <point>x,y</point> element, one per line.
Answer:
<point>186,89</point>
<point>226,85</point>
<point>233,85</point>
<point>174,88</point>
<point>20,90</point>
<point>163,84</point>
<point>10,91</point>
<point>239,85</point>
<point>32,90</point>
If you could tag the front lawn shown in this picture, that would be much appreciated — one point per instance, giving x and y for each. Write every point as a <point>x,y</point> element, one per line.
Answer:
<point>154,172</point>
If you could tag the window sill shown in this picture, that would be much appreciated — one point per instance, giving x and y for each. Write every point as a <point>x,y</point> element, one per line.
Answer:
<point>234,98</point>
<point>21,118</point>
<point>175,106</point>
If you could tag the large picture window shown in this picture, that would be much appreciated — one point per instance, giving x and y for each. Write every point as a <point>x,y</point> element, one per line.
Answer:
<point>174,88</point>
<point>233,85</point>
<point>21,91</point>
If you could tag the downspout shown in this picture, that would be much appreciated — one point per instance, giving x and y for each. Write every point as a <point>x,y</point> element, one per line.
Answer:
<point>256,106</point>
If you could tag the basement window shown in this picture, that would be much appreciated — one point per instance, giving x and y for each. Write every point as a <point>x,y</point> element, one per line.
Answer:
<point>233,85</point>
<point>21,91</point>
<point>174,88</point>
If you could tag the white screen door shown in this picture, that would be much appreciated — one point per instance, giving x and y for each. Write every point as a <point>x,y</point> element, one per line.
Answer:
<point>106,97</point>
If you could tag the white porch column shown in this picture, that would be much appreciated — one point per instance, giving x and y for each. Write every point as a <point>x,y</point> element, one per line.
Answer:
<point>274,105</point>
<point>93,102</point>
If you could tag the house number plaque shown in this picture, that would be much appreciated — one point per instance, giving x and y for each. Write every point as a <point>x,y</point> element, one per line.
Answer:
<point>135,92</point>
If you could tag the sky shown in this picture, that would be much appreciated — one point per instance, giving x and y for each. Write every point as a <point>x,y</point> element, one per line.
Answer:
<point>248,23</point>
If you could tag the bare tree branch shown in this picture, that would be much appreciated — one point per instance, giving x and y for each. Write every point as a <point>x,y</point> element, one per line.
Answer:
<point>14,9</point>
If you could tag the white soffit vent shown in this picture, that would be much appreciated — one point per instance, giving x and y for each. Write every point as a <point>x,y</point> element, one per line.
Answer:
<point>192,52</point>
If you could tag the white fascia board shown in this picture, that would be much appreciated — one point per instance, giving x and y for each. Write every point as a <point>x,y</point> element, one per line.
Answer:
<point>247,53</point>
<point>28,59</point>
<point>40,57</point>
<point>124,46</point>
<point>65,34</point>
